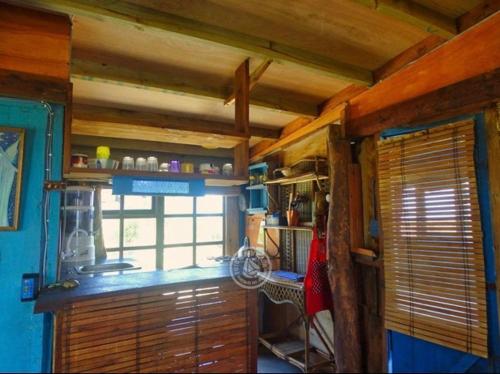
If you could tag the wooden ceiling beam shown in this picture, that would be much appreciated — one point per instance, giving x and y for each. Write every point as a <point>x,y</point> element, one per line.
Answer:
<point>340,97</point>
<point>416,51</point>
<point>415,14</point>
<point>472,54</point>
<point>183,84</point>
<point>150,19</point>
<point>477,14</point>
<point>97,114</point>
<point>334,116</point>
<point>465,97</point>
<point>469,54</point>
<point>407,56</point>
<point>84,141</point>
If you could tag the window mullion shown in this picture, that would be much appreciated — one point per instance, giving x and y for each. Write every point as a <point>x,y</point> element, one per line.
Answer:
<point>194,230</point>
<point>160,235</point>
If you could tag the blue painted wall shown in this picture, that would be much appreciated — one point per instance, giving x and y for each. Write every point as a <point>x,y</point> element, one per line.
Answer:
<point>24,341</point>
<point>411,355</point>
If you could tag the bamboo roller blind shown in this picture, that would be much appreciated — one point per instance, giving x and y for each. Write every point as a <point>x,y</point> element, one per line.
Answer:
<point>434,268</point>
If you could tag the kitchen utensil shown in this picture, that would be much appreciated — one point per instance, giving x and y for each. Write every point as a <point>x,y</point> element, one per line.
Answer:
<point>227,169</point>
<point>292,217</point>
<point>207,168</point>
<point>79,160</point>
<point>128,163</point>
<point>140,164</point>
<point>187,167</point>
<point>102,152</point>
<point>152,163</point>
<point>282,172</point>
<point>175,166</point>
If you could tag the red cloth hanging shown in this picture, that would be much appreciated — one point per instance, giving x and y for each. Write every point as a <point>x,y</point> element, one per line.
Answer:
<point>316,285</point>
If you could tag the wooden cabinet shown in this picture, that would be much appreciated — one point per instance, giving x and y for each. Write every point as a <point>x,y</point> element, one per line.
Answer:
<point>194,327</point>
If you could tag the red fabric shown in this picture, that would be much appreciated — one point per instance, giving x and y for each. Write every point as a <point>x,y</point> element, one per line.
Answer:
<point>316,284</point>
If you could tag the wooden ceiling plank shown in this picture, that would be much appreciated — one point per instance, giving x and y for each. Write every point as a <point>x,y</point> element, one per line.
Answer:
<point>411,54</point>
<point>254,78</point>
<point>334,116</point>
<point>181,85</point>
<point>151,19</point>
<point>477,14</point>
<point>415,14</point>
<point>470,54</point>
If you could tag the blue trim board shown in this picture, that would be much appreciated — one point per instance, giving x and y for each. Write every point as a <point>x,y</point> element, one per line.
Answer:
<point>408,354</point>
<point>25,338</point>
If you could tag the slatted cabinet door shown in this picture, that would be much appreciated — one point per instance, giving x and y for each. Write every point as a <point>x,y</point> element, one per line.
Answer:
<point>196,327</point>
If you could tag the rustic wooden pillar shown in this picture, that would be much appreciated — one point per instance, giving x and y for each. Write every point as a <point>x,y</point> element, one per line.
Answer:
<point>347,344</point>
<point>242,118</point>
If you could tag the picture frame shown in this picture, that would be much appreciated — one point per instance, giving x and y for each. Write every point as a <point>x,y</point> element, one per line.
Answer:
<point>11,172</point>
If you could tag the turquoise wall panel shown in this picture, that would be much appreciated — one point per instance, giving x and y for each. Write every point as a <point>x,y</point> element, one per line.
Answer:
<point>24,342</point>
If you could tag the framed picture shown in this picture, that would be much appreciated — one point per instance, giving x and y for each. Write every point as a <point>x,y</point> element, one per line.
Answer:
<point>11,171</point>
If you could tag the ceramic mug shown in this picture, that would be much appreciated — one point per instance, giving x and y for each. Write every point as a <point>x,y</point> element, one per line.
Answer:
<point>187,167</point>
<point>175,166</point>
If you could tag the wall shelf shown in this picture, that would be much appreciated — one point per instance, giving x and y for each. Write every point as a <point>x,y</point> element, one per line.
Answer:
<point>307,177</point>
<point>293,228</point>
<point>256,187</point>
<point>103,175</point>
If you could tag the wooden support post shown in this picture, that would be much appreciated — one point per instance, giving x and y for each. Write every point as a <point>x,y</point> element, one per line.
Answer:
<point>240,167</point>
<point>242,118</point>
<point>68,118</point>
<point>242,98</point>
<point>493,138</point>
<point>347,344</point>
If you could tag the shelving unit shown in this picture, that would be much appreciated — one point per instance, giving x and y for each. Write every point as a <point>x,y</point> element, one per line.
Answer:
<point>292,228</point>
<point>103,175</point>
<point>306,177</point>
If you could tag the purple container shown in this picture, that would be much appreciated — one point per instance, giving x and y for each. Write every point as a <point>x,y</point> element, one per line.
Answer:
<point>175,166</point>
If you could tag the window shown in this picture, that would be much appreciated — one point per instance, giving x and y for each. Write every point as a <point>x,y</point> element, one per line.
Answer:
<point>163,232</point>
<point>434,267</point>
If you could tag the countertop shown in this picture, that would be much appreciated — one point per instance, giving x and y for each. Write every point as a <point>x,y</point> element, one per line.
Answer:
<point>51,300</point>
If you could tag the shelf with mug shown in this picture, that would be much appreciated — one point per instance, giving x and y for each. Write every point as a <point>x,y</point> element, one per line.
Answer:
<point>103,175</point>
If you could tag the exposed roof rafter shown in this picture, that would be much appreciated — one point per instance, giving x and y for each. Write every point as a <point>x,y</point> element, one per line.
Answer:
<point>183,84</point>
<point>415,14</point>
<point>146,18</point>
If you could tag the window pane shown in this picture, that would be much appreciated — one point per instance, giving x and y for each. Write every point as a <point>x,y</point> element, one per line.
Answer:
<point>205,252</point>
<point>178,230</point>
<point>209,229</point>
<point>177,257</point>
<point>209,204</point>
<point>113,255</point>
<point>109,201</point>
<point>138,202</point>
<point>139,232</point>
<point>145,258</point>
<point>111,233</point>
<point>178,205</point>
